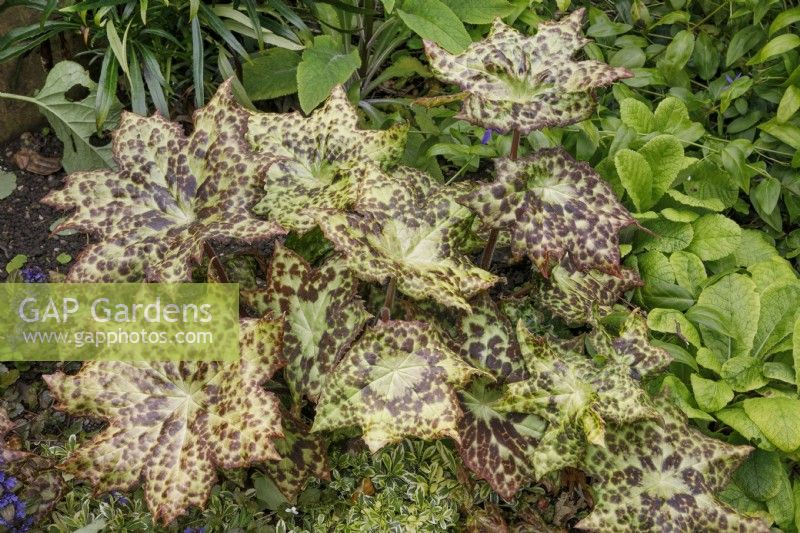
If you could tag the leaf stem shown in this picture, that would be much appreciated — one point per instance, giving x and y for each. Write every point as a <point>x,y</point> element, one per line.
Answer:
<point>215,263</point>
<point>488,250</point>
<point>388,301</point>
<point>366,36</point>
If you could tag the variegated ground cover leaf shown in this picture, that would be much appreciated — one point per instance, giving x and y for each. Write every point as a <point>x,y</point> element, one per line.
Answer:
<point>575,396</point>
<point>515,81</point>
<point>659,474</point>
<point>555,207</point>
<point>303,456</point>
<point>415,244</point>
<point>171,425</point>
<point>583,297</point>
<point>171,193</point>
<point>37,483</point>
<point>321,161</point>
<point>398,380</point>
<point>322,314</point>
<point>631,347</point>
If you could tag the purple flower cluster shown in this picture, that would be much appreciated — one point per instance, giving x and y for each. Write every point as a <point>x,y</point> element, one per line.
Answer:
<point>33,274</point>
<point>194,530</point>
<point>19,522</point>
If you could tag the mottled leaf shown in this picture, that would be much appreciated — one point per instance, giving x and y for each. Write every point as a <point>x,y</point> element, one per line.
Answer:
<point>322,314</point>
<point>554,206</point>
<point>170,194</point>
<point>632,347</point>
<point>662,473</point>
<point>514,81</point>
<point>398,380</point>
<point>320,161</point>
<point>171,425</point>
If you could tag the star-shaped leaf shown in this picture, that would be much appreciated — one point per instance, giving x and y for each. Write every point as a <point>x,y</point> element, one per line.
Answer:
<point>321,161</point>
<point>631,347</point>
<point>554,206</point>
<point>575,396</point>
<point>417,246</point>
<point>659,473</point>
<point>515,81</point>
<point>303,456</point>
<point>398,380</point>
<point>37,483</point>
<point>173,424</point>
<point>582,297</point>
<point>322,314</point>
<point>170,194</point>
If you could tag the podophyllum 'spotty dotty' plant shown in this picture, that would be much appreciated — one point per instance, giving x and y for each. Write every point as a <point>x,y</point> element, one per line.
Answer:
<point>518,405</point>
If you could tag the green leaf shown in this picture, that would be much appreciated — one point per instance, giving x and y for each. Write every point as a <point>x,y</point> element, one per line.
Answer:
<point>737,301</point>
<point>271,74</point>
<point>777,46</point>
<point>672,117</point>
<point>795,350</point>
<point>479,11</point>
<point>678,51</point>
<point>786,133</point>
<point>64,258</point>
<point>715,236</point>
<point>434,21</point>
<point>648,173</point>
<point>172,425</point>
<point>759,476</point>
<point>706,57</point>
<point>735,417</point>
<point>689,270</point>
<point>743,373</point>
<point>322,312</point>
<point>765,197</point>
<point>755,246</point>
<point>742,42</point>
<point>16,263</point>
<point>668,236</point>
<point>553,206</point>
<point>783,19</point>
<point>324,65</point>
<point>672,321</point>
<point>8,184</point>
<point>636,115</point>
<point>663,472</point>
<point>778,419</point>
<point>398,380</point>
<point>710,395</point>
<point>790,103</point>
<point>514,81</point>
<point>780,303</point>
<point>170,194</point>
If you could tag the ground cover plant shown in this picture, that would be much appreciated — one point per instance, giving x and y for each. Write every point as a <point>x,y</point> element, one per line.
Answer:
<point>507,267</point>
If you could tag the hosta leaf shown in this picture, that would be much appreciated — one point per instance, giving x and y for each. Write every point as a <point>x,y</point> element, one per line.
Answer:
<point>575,396</point>
<point>581,297</point>
<point>303,456</point>
<point>173,424</point>
<point>169,195</point>
<point>417,246</point>
<point>632,347</point>
<point>554,206</point>
<point>515,81</point>
<point>322,314</point>
<point>398,380</point>
<point>657,473</point>
<point>320,161</point>
<point>39,485</point>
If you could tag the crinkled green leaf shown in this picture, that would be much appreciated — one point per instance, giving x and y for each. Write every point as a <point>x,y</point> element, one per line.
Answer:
<point>322,314</point>
<point>171,425</point>
<point>647,173</point>
<point>582,297</point>
<point>514,81</point>
<point>576,398</point>
<point>554,206</point>
<point>418,246</point>
<point>662,473</point>
<point>321,161</point>
<point>170,194</point>
<point>673,321</point>
<point>398,380</point>
<point>736,300</point>
<point>715,236</point>
<point>778,419</point>
<point>710,395</point>
<point>631,347</point>
<point>780,303</point>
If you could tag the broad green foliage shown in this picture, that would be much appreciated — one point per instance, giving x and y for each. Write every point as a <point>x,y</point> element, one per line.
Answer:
<point>516,82</point>
<point>171,194</point>
<point>398,380</point>
<point>323,66</point>
<point>662,472</point>
<point>322,161</point>
<point>322,314</point>
<point>417,245</point>
<point>736,302</point>
<point>554,206</point>
<point>172,425</point>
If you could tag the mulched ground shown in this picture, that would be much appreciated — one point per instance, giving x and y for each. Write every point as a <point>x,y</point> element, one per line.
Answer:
<point>24,222</point>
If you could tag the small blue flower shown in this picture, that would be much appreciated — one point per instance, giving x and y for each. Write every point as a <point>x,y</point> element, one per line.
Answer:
<point>487,136</point>
<point>33,274</point>
<point>195,530</point>
<point>731,80</point>
<point>20,523</point>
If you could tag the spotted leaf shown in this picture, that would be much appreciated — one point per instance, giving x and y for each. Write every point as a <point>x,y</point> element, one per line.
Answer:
<point>170,194</point>
<point>418,246</point>
<point>515,81</point>
<point>575,396</point>
<point>582,297</point>
<point>632,347</point>
<point>171,425</point>
<point>659,473</point>
<point>322,313</point>
<point>554,207</point>
<point>398,380</point>
<point>321,161</point>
